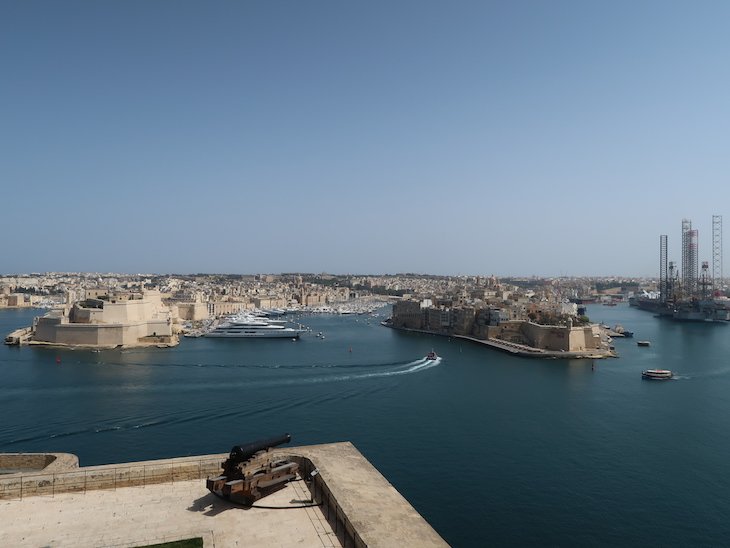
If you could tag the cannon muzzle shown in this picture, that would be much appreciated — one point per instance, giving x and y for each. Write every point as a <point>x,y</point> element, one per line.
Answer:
<point>240,453</point>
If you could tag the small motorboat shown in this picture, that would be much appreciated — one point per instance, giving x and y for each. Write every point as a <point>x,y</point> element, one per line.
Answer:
<point>657,374</point>
<point>643,343</point>
<point>431,355</point>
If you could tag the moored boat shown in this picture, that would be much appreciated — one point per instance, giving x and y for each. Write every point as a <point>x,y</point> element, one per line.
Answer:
<point>246,326</point>
<point>657,374</point>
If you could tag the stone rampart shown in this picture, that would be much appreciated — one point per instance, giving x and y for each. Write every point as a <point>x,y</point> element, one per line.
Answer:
<point>362,507</point>
<point>110,476</point>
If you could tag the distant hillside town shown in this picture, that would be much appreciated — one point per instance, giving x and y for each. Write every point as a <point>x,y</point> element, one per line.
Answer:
<point>122,310</point>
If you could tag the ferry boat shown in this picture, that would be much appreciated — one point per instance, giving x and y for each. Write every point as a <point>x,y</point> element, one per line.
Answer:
<point>245,326</point>
<point>431,355</point>
<point>657,374</point>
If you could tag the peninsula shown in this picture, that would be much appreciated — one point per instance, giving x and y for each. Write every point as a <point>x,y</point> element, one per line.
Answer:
<point>488,326</point>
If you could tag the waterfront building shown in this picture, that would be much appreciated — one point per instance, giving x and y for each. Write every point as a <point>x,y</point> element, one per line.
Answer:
<point>193,312</point>
<point>408,314</point>
<point>226,308</point>
<point>18,300</point>
<point>269,302</point>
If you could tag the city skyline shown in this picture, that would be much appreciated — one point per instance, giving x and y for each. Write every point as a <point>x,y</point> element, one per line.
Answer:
<point>474,138</point>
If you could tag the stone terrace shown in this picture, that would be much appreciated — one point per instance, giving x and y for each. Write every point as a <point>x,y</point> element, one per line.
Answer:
<point>135,504</point>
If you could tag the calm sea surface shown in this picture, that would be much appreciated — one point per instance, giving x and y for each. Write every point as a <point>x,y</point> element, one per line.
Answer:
<point>491,449</point>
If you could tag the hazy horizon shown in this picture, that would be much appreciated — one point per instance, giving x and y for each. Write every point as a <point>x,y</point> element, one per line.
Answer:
<point>306,273</point>
<point>535,138</point>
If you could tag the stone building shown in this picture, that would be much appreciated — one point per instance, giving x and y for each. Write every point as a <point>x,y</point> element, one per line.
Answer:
<point>192,311</point>
<point>224,308</point>
<point>408,314</point>
<point>132,320</point>
<point>18,300</point>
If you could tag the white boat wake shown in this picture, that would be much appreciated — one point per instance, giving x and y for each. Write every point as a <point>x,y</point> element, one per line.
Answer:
<point>411,367</point>
<point>298,375</point>
<point>127,424</point>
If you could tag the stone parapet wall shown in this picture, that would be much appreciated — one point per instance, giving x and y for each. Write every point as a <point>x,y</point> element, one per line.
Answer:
<point>362,507</point>
<point>38,462</point>
<point>109,476</point>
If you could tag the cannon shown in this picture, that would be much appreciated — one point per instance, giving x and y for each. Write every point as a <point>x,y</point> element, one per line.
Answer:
<point>252,471</point>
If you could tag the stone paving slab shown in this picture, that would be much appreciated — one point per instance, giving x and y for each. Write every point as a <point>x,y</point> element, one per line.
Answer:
<point>134,516</point>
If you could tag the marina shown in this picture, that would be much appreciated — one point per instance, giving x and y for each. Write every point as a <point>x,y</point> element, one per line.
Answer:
<point>551,434</point>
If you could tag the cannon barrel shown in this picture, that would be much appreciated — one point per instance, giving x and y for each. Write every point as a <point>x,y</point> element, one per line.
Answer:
<point>240,453</point>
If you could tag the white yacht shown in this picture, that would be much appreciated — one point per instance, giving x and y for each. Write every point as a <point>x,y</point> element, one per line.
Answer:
<point>255,327</point>
<point>273,311</point>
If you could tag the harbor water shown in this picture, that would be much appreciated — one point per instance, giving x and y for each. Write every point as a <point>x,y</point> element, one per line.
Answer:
<point>491,449</point>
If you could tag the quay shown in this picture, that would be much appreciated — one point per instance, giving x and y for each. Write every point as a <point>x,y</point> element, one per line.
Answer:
<point>342,500</point>
<point>531,352</point>
<point>19,336</point>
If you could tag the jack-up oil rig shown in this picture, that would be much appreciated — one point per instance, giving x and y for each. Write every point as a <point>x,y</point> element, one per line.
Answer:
<point>692,294</point>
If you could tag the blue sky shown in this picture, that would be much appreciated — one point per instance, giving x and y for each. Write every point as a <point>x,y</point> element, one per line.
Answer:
<point>514,138</point>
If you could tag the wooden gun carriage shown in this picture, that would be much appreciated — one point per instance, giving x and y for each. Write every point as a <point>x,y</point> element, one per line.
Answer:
<point>252,471</point>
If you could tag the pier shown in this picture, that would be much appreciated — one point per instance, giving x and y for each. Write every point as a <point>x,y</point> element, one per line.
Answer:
<point>19,336</point>
<point>531,352</point>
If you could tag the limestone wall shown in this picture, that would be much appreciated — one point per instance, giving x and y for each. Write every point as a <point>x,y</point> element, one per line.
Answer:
<point>87,315</point>
<point>99,334</point>
<point>17,299</point>
<point>547,337</point>
<point>192,311</point>
<point>38,462</point>
<point>408,314</point>
<point>14,486</point>
<point>585,338</point>
<point>45,328</point>
<point>127,311</point>
<point>507,331</point>
<point>122,323</point>
<point>560,338</point>
<point>222,308</point>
